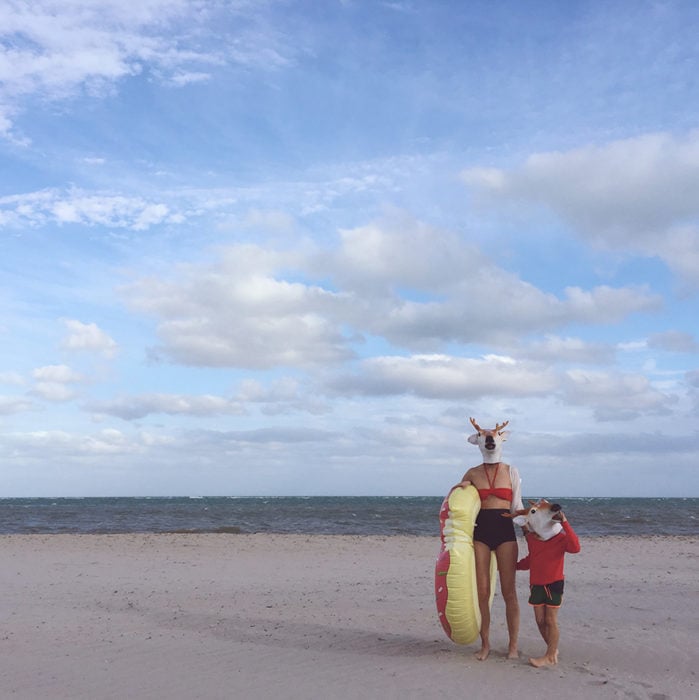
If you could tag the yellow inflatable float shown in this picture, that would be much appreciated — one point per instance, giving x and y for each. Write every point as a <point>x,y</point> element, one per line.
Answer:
<point>455,571</point>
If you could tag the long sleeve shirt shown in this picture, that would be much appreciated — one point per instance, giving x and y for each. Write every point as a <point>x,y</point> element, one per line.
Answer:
<point>545,558</point>
<point>516,490</point>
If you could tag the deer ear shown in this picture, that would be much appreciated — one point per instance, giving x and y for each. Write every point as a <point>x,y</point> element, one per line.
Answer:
<point>473,439</point>
<point>503,434</point>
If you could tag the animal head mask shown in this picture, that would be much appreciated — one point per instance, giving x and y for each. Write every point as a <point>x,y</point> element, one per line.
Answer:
<point>541,517</point>
<point>489,441</point>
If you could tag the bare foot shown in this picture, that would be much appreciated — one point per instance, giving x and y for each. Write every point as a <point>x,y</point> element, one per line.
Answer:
<point>513,654</point>
<point>482,655</point>
<point>544,661</point>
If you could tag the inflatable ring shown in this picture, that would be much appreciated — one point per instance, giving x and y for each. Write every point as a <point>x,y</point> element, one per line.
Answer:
<point>455,571</point>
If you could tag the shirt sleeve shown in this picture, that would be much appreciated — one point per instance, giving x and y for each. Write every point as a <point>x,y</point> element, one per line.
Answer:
<point>523,564</point>
<point>572,541</point>
<point>516,490</point>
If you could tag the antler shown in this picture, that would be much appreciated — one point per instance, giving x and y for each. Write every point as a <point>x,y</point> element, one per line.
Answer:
<point>499,427</point>
<point>476,426</point>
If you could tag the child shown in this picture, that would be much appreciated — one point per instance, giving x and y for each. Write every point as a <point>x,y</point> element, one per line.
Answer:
<point>545,564</point>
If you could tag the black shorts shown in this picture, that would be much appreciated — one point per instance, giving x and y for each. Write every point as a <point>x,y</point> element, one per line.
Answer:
<point>493,529</point>
<point>550,595</point>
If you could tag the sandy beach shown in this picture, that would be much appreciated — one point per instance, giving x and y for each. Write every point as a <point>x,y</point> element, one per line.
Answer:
<point>293,616</point>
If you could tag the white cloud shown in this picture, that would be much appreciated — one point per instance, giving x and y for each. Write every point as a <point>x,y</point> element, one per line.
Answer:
<point>416,287</point>
<point>238,313</point>
<point>279,435</point>
<point>268,209</point>
<point>565,349</point>
<point>692,381</point>
<point>11,378</point>
<point>283,396</point>
<point>57,373</point>
<point>615,396</point>
<point>54,382</point>
<point>36,444</point>
<point>55,50</point>
<point>54,391</point>
<point>609,395</point>
<point>444,377</point>
<point>88,336</point>
<point>286,389</point>
<point>679,249</point>
<point>693,378</point>
<point>108,210</point>
<point>263,221</point>
<point>152,214</point>
<point>136,407</point>
<point>9,405</point>
<point>78,207</point>
<point>639,194</point>
<point>419,287</point>
<point>188,77</point>
<point>673,341</point>
<point>402,253</point>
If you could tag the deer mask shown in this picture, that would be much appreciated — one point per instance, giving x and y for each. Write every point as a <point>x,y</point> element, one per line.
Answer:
<point>489,441</point>
<point>541,517</point>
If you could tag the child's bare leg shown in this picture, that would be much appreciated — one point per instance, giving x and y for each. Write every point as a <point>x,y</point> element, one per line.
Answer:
<point>482,555</point>
<point>551,638</point>
<point>540,617</point>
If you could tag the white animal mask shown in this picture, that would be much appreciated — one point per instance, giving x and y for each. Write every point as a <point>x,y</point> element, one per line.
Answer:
<point>540,518</point>
<point>489,441</point>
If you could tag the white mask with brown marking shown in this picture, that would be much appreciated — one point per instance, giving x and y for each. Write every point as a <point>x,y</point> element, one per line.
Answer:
<point>489,441</point>
<point>540,518</point>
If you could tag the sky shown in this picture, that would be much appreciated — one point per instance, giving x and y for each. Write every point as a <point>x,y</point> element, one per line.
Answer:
<point>281,247</point>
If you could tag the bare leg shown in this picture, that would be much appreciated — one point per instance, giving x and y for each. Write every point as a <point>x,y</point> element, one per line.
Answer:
<point>540,617</point>
<point>482,555</point>
<point>552,636</point>
<point>506,555</point>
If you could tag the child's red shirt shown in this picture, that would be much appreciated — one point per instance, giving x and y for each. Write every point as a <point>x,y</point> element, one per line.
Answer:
<point>545,558</point>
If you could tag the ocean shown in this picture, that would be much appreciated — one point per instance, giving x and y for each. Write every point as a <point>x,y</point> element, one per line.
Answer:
<point>591,517</point>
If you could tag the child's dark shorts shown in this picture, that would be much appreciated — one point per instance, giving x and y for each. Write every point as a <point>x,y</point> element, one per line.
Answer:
<point>550,595</point>
<point>493,529</point>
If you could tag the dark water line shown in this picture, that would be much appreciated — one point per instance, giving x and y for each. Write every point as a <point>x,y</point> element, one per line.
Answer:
<point>320,515</point>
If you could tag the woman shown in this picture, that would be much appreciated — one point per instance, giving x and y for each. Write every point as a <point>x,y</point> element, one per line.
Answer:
<point>499,487</point>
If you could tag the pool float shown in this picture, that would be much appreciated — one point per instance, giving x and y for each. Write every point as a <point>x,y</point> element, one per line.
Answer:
<point>455,572</point>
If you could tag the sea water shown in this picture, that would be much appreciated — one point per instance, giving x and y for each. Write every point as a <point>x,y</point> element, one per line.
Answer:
<point>591,517</point>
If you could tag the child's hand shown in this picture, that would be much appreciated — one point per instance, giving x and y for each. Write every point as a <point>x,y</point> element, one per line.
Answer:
<point>560,516</point>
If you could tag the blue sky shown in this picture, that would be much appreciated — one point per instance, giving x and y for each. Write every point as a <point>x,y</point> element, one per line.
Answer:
<point>279,247</point>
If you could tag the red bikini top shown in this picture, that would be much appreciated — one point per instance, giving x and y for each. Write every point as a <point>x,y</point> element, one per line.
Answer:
<point>504,493</point>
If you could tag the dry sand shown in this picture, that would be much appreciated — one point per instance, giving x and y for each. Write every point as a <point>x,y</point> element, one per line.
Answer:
<point>290,616</point>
